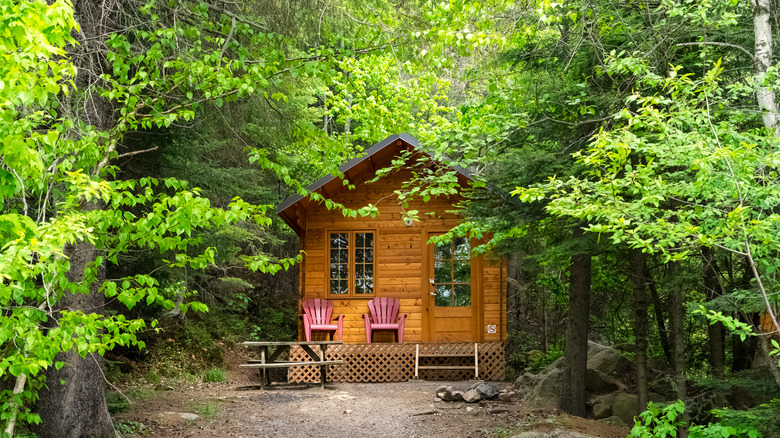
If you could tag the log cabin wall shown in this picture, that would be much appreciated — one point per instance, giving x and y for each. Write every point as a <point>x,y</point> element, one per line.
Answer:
<point>399,264</point>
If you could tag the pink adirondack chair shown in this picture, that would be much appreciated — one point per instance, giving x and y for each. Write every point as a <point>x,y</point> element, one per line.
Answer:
<point>384,312</point>
<point>317,317</point>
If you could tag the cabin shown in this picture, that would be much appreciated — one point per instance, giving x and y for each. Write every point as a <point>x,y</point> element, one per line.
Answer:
<point>454,300</point>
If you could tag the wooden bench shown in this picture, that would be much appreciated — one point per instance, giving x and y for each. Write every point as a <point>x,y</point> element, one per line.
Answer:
<point>267,361</point>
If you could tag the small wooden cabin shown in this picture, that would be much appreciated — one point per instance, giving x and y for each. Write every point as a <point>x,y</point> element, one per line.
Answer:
<point>449,294</point>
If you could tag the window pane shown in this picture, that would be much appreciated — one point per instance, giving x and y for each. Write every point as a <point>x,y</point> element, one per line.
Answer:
<point>369,271</point>
<point>338,240</point>
<point>462,295</point>
<point>443,295</point>
<point>359,256</point>
<point>461,246</point>
<point>339,270</point>
<point>442,272</point>
<point>359,286</point>
<point>359,239</point>
<point>443,251</point>
<point>344,286</point>
<point>334,287</point>
<point>369,240</point>
<point>461,272</point>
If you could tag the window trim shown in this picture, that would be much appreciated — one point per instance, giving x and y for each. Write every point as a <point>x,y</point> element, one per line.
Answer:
<point>351,270</point>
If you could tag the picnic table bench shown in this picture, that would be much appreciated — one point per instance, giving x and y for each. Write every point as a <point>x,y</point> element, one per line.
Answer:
<point>270,360</point>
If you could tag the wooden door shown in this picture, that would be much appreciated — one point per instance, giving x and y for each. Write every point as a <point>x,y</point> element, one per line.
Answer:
<point>452,298</point>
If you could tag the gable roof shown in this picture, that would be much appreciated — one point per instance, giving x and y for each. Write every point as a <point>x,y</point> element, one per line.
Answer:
<point>286,209</point>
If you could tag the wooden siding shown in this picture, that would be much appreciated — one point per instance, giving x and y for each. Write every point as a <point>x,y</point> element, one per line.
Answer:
<point>399,265</point>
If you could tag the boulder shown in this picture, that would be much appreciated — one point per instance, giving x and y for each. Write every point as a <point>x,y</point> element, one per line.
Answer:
<point>657,398</point>
<point>626,407</point>
<point>506,396</point>
<point>486,390</point>
<point>456,395</point>
<point>471,396</point>
<point>605,359</point>
<point>541,389</point>
<point>602,406</point>
<point>598,382</point>
<point>664,386</point>
<point>602,410</point>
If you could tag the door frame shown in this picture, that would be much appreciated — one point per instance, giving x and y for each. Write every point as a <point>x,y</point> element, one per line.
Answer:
<point>428,313</point>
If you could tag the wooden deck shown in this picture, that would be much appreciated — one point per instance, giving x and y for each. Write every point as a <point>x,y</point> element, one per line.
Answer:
<point>387,362</point>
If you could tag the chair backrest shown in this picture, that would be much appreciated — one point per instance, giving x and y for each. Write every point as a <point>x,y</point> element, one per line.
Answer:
<point>384,310</point>
<point>317,310</point>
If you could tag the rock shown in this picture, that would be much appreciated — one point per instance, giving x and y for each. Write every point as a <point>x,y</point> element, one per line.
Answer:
<point>472,396</point>
<point>606,359</point>
<point>602,410</point>
<point>549,386</point>
<point>182,415</point>
<point>607,398</point>
<point>557,364</point>
<point>615,421</point>
<point>476,383</point>
<point>436,399</point>
<point>471,409</point>
<point>664,386</point>
<point>525,383</point>
<point>598,382</point>
<point>656,398</point>
<point>626,407</point>
<point>496,411</point>
<point>506,396</point>
<point>457,395</point>
<point>486,390</point>
<point>348,411</point>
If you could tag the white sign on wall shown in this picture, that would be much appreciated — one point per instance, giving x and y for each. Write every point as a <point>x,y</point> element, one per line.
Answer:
<point>491,328</point>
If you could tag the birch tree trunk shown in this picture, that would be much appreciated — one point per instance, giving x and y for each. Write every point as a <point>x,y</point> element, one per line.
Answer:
<point>765,95</point>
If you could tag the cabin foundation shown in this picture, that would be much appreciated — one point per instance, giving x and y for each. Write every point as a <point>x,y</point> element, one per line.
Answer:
<point>385,362</point>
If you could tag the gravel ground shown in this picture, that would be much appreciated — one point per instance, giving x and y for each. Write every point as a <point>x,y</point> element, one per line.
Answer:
<point>239,408</point>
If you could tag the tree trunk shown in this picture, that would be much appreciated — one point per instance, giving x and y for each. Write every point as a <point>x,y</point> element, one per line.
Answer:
<point>74,405</point>
<point>715,331</point>
<point>677,338</point>
<point>658,306</point>
<point>765,96</point>
<point>73,402</point>
<point>637,263</point>
<point>572,398</point>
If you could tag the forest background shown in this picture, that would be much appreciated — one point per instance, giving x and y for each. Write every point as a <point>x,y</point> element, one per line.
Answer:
<point>630,150</point>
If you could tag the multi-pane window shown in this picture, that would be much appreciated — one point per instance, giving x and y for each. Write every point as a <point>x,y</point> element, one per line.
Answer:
<point>452,273</point>
<point>351,263</point>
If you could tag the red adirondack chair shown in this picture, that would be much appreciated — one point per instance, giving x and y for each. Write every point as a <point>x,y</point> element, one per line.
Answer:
<point>384,312</point>
<point>317,316</point>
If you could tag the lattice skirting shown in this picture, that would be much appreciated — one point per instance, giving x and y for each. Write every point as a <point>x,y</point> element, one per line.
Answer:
<point>395,362</point>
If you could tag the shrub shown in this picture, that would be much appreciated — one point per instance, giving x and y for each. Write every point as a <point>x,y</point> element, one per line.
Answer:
<point>214,375</point>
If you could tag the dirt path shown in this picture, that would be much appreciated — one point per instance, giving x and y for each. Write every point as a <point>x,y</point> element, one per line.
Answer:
<point>239,408</point>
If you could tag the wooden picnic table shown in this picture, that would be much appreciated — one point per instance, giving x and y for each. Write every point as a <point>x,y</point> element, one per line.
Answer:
<point>276,348</point>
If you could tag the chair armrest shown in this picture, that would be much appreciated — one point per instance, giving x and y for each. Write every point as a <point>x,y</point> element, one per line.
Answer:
<point>402,317</point>
<point>340,317</point>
